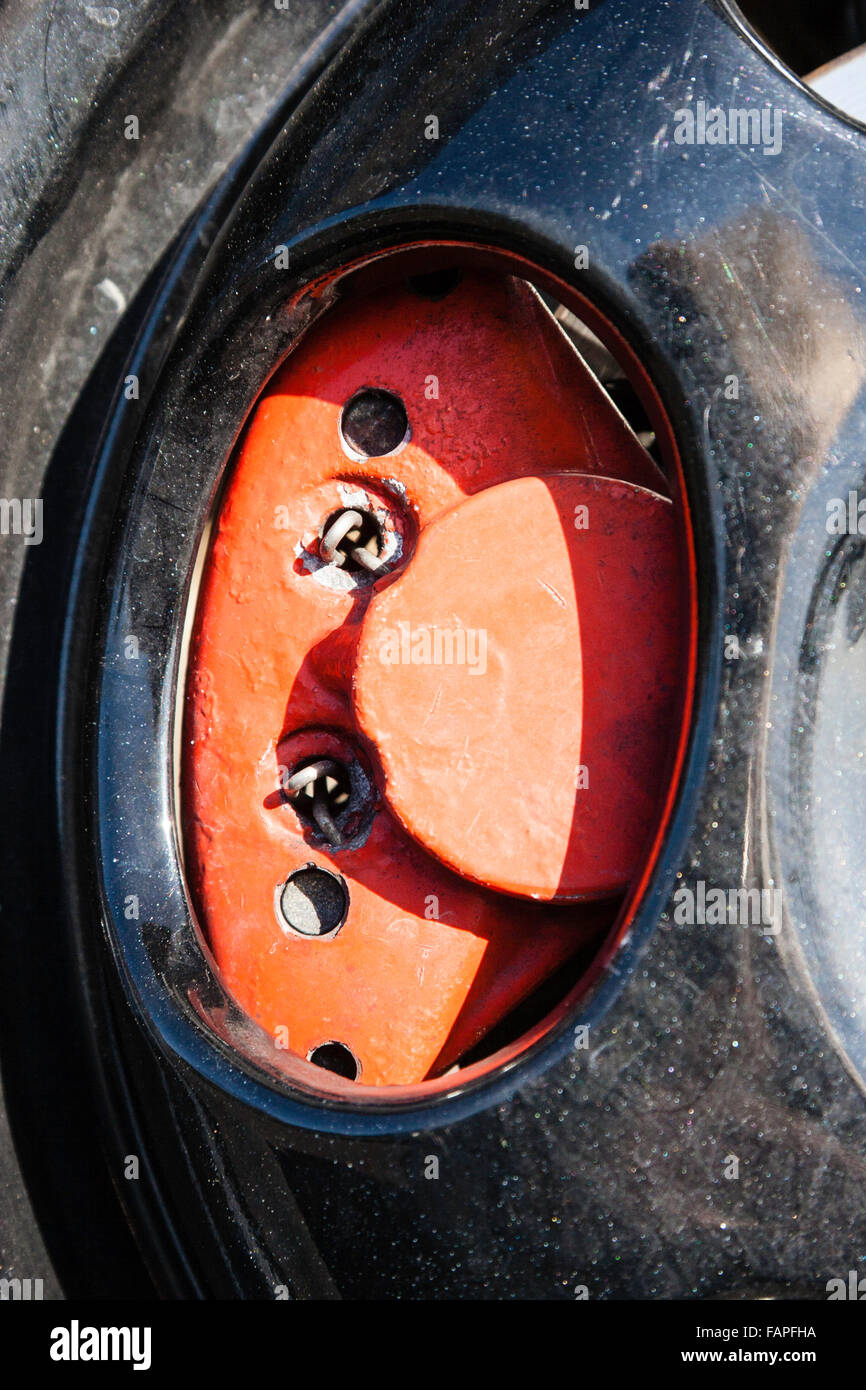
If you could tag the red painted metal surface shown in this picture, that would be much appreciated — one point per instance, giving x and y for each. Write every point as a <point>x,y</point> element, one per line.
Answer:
<point>509,435</point>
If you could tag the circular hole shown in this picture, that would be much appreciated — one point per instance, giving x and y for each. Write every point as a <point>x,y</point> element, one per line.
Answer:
<point>332,787</point>
<point>313,901</point>
<point>365,537</point>
<point>373,423</point>
<point>336,1057</point>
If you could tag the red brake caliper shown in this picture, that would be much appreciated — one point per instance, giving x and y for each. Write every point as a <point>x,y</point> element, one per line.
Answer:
<point>435,675</point>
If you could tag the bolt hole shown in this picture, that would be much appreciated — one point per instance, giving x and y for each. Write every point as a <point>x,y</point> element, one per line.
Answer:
<point>336,1057</point>
<point>365,538</point>
<point>373,423</point>
<point>313,902</point>
<point>320,790</point>
<point>436,284</point>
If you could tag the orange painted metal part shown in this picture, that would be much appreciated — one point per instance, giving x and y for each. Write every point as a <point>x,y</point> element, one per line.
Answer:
<point>520,679</point>
<point>281,668</point>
